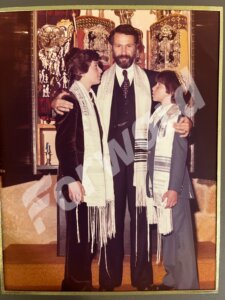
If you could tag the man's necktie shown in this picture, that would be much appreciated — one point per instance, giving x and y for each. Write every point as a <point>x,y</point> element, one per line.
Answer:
<point>126,84</point>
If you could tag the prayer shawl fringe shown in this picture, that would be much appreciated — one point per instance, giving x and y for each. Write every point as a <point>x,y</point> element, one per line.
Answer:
<point>97,174</point>
<point>164,117</point>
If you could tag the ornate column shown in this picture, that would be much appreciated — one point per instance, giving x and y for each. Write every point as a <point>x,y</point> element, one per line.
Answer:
<point>54,42</point>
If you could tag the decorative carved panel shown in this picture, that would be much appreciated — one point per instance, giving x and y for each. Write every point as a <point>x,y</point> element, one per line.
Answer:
<point>169,43</point>
<point>92,33</point>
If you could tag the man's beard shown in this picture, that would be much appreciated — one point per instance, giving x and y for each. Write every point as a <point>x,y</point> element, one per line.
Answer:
<point>124,61</point>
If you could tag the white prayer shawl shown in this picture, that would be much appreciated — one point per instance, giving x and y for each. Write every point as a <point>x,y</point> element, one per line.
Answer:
<point>97,175</point>
<point>143,107</point>
<point>164,116</point>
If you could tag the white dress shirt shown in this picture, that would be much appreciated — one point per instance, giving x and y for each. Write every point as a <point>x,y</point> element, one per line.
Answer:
<point>119,74</point>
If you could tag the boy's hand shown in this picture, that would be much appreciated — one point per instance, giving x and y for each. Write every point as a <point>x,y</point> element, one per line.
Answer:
<point>171,198</point>
<point>76,192</point>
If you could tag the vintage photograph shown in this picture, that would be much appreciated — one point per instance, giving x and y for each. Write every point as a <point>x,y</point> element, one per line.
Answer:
<point>109,156</point>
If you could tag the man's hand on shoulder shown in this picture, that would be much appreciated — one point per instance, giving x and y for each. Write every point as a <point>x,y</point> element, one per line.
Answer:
<point>61,105</point>
<point>184,126</point>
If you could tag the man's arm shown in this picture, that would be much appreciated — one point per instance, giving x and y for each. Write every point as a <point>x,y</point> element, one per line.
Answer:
<point>60,105</point>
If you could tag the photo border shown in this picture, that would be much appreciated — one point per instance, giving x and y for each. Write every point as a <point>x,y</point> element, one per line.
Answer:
<point>218,294</point>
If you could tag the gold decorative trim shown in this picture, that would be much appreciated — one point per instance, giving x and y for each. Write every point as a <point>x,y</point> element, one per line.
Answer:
<point>83,22</point>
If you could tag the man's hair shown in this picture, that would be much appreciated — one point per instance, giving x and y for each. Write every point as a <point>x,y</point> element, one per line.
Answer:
<point>78,61</point>
<point>124,29</point>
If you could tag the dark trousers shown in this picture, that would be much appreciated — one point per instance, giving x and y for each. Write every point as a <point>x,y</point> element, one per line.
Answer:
<point>111,262</point>
<point>77,275</point>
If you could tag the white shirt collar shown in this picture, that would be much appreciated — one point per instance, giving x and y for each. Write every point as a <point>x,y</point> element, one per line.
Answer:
<point>85,92</point>
<point>119,74</point>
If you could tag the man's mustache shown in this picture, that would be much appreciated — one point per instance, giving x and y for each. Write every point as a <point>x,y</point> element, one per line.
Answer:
<point>123,56</point>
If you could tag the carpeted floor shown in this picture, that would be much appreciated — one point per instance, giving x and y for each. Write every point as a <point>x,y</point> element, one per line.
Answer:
<point>37,268</point>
